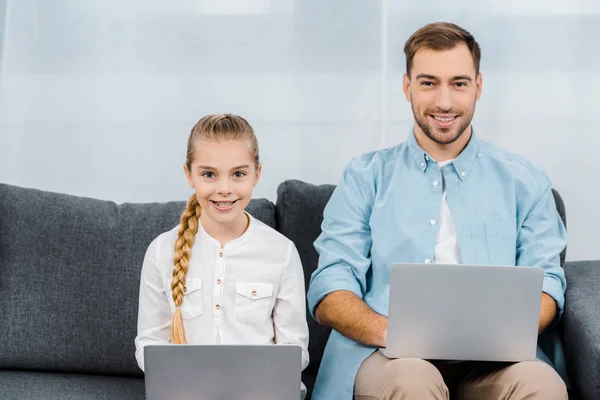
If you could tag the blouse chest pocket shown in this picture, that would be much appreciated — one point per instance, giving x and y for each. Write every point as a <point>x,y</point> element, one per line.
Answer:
<point>252,301</point>
<point>192,305</point>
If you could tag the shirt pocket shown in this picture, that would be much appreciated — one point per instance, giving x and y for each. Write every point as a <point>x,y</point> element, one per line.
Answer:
<point>192,305</point>
<point>501,240</point>
<point>252,301</point>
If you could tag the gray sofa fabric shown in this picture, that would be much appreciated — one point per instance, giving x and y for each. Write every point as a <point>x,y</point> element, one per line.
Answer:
<point>55,386</point>
<point>69,282</point>
<point>299,210</point>
<point>581,327</point>
<point>70,271</point>
<point>560,207</point>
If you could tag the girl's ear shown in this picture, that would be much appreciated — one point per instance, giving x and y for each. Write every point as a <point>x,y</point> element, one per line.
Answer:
<point>257,176</point>
<point>188,176</point>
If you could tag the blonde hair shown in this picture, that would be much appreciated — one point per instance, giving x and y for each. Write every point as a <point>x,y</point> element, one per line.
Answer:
<point>212,127</point>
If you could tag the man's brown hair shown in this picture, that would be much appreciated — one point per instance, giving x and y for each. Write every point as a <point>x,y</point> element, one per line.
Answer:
<point>440,36</point>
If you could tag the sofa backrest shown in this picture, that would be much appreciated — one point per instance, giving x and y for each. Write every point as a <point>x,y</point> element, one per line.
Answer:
<point>69,278</point>
<point>560,207</point>
<point>70,270</point>
<point>299,215</point>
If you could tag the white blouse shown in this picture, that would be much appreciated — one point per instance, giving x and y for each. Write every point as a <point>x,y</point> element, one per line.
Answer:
<point>249,292</point>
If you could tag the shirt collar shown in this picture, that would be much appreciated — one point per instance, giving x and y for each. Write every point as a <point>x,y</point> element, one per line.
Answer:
<point>462,164</point>
<point>211,241</point>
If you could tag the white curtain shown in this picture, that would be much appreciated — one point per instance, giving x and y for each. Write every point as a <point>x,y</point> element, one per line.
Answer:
<point>97,97</point>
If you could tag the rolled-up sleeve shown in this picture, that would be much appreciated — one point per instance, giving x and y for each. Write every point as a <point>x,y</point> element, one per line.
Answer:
<point>540,241</point>
<point>345,241</point>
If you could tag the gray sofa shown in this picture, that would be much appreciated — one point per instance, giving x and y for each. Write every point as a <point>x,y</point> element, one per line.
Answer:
<point>69,281</point>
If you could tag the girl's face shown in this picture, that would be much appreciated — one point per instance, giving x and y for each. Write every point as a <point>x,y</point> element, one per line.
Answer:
<point>223,176</point>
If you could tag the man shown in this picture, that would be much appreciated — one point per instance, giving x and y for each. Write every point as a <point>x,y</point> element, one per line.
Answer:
<point>443,196</point>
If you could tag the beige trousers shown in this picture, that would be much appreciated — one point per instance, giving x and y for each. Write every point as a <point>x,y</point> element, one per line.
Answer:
<point>411,378</point>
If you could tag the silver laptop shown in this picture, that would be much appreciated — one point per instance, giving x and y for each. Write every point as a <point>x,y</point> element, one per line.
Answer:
<point>463,312</point>
<point>222,372</point>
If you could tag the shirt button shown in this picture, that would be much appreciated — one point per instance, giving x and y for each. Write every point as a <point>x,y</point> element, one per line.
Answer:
<point>433,222</point>
<point>426,157</point>
<point>462,174</point>
<point>218,281</point>
<point>221,254</point>
<point>218,307</point>
<point>254,293</point>
<point>427,261</point>
<point>422,164</point>
<point>435,183</point>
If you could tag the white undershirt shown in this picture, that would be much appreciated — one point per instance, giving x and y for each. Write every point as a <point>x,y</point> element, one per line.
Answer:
<point>446,248</point>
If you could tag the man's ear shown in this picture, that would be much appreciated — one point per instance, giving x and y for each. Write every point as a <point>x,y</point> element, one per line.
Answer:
<point>406,87</point>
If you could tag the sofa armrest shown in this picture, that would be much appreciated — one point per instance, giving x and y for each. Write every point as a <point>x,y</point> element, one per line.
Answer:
<point>581,327</point>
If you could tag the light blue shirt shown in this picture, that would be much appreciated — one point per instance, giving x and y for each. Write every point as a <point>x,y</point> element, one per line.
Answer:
<point>380,213</point>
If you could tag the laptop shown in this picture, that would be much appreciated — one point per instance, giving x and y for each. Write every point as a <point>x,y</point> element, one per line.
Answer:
<point>463,312</point>
<point>223,372</point>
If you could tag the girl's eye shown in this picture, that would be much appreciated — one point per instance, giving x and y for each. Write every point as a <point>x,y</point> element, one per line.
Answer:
<point>208,175</point>
<point>239,174</point>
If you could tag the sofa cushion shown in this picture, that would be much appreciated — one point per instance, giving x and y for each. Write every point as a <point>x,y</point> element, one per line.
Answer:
<point>299,215</point>
<point>69,278</point>
<point>581,327</point>
<point>17,385</point>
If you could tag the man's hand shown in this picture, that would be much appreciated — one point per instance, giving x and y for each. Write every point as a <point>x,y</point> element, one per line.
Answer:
<point>345,312</point>
<point>548,312</point>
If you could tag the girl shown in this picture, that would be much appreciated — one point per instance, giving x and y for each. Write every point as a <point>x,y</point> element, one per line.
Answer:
<point>221,276</point>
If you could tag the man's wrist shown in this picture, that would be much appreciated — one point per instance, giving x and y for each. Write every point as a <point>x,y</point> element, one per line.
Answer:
<point>383,332</point>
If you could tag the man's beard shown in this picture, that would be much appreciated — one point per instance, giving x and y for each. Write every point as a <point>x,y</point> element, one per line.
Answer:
<point>428,129</point>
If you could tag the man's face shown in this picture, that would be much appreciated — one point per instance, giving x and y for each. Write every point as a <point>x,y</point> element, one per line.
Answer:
<point>443,87</point>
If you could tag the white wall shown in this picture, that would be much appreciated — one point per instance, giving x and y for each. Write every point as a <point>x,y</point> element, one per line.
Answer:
<point>97,97</point>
